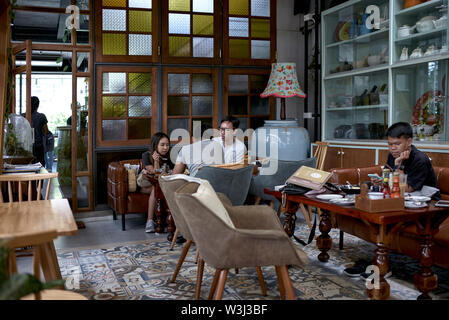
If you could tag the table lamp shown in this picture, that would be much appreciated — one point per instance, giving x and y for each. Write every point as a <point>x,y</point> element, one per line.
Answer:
<point>283,83</point>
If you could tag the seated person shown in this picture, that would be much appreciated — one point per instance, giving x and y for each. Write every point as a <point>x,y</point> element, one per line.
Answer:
<point>199,153</point>
<point>154,159</point>
<point>234,149</point>
<point>406,158</point>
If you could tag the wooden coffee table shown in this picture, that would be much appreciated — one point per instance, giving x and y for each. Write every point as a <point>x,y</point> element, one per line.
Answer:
<point>381,227</point>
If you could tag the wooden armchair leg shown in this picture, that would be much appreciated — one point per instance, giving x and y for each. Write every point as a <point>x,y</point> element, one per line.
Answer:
<point>197,256</point>
<point>221,284</point>
<point>123,221</point>
<point>114,215</point>
<point>214,284</point>
<point>280,282</point>
<point>199,279</point>
<point>287,283</point>
<point>181,260</point>
<point>261,281</point>
<point>173,241</point>
<point>340,242</point>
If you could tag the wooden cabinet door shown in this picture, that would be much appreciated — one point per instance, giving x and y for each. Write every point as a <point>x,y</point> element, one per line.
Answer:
<point>438,159</point>
<point>333,158</point>
<point>356,158</point>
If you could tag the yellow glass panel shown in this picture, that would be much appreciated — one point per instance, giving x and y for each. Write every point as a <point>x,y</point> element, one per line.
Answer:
<point>179,46</point>
<point>239,48</point>
<point>139,83</point>
<point>203,25</point>
<point>114,44</point>
<point>179,5</point>
<point>139,21</point>
<point>260,28</point>
<point>114,3</point>
<point>239,7</point>
<point>114,106</point>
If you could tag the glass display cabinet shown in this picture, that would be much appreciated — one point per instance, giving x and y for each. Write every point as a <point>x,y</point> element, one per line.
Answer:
<point>380,71</point>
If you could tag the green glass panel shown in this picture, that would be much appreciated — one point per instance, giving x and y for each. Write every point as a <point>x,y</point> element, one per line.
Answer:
<point>258,83</point>
<point>260,28</point>
<point>260,106</point>
<point>179,5</point>
<point>139,21</point>
<point>114,3</point>
<point>202,83</point>
<point>238,105</point>
<point>177,106</point>
<point>114,44</point>
<point>176,123</point>
<point>139,129</point>
<point>203,25</point>
<point>114,107</point>
<point>239,48</point>
<point>139,83</point>
<point>202,105</point>
<point>113,130</point>
<point>179,46</point>
<point>239,7</point>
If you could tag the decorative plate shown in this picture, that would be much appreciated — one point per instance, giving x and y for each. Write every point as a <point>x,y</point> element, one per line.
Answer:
<point>420,111</point>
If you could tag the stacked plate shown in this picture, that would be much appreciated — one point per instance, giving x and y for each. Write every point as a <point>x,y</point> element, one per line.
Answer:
<point>336,199</point>
<point>415,202</point>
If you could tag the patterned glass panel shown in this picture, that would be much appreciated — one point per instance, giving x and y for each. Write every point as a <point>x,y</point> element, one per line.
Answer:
<point>139,21</point>
<point>260,28</point>
<point>243,123</point>
<point>239,48</point>
<point>203,6</point>
<point>203,47</point>
<point>201,106</point>
<point>114,44</point>
<point>140,4</point>
<point>139,106</point>
<point>139,129</point>
<point>179,46</point>
<point>260,8</point>
<point>260,105</point>
<point>114,3</point>
<point>114,82</point>
<point>82,61</point>
<point>114,107</point>
<point>239,7</point>
<point>173,124</point>
<point>238,83</point>
<point>177,106</point>
<point>82,194</point>
<point>114,20</point>
<point>238,105</point>
<point>258,83</point>
<point>114,130</point>
<point>238,27</point>
<point>179,5</point>
<point>139,83</point>
<point>260,49</point>
<point>178,83</point>
<point>82,35</point>
<point>257,122</point>
<point>140,44</point>
<point>202,83</point>
<point>203,25</point>
<point>178,23</point>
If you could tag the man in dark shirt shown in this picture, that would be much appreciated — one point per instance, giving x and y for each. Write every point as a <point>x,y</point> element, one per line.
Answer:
<point>39,124</point>
<point>406,158</point>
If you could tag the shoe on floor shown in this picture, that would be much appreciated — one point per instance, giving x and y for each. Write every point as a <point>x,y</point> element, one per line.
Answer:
<point>357,269</point>
<point>365,275</point>
<point>149,228</point>
<point>180,239</point>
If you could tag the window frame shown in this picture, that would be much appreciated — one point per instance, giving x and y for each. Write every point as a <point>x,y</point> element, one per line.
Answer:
<point>154,57</point>
<point>99,119</point>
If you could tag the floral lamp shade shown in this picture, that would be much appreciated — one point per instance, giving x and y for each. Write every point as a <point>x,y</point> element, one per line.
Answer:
<point>283,82</point>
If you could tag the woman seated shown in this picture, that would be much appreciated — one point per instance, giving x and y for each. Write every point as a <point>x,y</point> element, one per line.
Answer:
<point>155,159</point>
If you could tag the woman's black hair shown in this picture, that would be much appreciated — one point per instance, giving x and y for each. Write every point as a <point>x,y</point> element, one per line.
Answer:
<point>155,139</point>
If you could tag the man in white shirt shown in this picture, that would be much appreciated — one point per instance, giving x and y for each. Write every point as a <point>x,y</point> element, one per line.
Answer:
<point>234,149</point>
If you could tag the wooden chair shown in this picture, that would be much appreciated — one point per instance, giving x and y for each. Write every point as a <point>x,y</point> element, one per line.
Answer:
<point>28,180</point>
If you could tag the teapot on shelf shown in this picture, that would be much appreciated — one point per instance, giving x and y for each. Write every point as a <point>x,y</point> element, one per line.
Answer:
<point>425,24</point>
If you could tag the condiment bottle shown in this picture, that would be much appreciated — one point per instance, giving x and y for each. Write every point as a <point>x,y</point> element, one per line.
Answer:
<point>396,190</point>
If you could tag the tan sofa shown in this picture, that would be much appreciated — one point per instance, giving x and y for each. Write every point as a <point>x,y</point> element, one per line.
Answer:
<point>405,240</point>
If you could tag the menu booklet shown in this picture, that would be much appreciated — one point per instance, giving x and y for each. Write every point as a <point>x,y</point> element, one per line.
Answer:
<point>309,178</point>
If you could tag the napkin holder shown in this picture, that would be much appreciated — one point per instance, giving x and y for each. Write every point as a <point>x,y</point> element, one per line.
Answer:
<point>363,202</point>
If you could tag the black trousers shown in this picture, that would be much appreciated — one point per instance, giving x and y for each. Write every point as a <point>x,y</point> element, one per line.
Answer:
<point>39,155</point>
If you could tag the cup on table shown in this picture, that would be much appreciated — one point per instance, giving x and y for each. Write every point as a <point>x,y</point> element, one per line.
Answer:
<point>403,183</point>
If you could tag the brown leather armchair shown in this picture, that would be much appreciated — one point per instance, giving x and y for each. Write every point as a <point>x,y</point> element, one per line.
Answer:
<point>119,198</point>
<point>406,239</point>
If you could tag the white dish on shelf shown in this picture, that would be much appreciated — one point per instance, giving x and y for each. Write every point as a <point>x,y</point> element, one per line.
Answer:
<point>329,196</point>
<point>414,205</point>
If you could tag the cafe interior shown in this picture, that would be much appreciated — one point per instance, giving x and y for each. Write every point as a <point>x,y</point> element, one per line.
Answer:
<point>110,110</point>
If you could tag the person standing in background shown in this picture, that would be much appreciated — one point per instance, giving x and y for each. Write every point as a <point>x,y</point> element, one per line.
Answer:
<point>49,146</point>
<point>39,124</point>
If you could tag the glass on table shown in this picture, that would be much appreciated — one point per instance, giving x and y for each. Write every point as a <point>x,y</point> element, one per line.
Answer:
<point>403,183</point>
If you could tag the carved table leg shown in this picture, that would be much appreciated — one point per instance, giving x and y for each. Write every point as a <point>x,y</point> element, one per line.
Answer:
<point>380,290</point>
<point>426,280</point>
<point>170,224</point>
<point>158,214</point>
<point>290,218</point>
<point>324,241</point>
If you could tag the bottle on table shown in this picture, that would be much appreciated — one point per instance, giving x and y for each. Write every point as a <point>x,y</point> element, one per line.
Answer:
<point>396,190</point>
<point>385,175</point>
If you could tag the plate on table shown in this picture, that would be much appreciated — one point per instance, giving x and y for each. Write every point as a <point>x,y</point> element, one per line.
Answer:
<point>417,198</point>
<point>329,196</point>
<point>343,201</point>
<point>414,205</point>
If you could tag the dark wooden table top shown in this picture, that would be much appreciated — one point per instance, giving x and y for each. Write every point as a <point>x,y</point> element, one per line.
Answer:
<point>377,218</point>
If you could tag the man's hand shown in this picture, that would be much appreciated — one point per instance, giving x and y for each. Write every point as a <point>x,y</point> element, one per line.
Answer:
<point>403,156</point>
